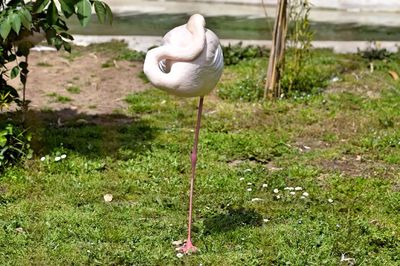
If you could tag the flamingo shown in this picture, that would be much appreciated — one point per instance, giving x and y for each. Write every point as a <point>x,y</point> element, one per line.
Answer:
<point>189,63</point>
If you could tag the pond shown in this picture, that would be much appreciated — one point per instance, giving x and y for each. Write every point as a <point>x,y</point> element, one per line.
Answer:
<point>234,27</point>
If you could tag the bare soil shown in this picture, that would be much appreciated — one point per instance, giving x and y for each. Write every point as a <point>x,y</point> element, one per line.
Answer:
<point>89,82</point>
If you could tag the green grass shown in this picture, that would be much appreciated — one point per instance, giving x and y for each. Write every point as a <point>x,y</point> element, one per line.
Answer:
<point>342,144</point>
<point>44,64</point>
<point>59,98</point>
<point>74,89</point>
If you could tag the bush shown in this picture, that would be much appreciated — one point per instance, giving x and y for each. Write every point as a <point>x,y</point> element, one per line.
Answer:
<point>14,144</point>
<point>308,78</point>
<point>233,54</point>
<point>374,52</point>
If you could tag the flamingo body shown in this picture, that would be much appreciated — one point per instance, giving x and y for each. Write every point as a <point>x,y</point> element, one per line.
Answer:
<point>189,63</point>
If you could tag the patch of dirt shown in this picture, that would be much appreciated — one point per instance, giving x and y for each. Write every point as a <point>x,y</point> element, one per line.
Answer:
<point>358,167</point>
<point>363,83</point>
<point>91,83</point>
<point>308,144</point>
<point>3,189</point>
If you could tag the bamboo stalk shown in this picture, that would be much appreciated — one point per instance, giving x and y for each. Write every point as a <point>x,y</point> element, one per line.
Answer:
<point>277,52</point>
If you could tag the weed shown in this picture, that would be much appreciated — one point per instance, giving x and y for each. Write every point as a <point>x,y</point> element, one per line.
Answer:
<point>374,52</point>
<point>107,64</point>
<point>14,144</point>
<point>74,89</point>
<point>44,64</point>
<point>59,98</point>
<point>131,55</point>
<point>233,54</point>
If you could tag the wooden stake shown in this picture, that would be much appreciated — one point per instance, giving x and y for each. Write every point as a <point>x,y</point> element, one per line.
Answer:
<point>272,89</point>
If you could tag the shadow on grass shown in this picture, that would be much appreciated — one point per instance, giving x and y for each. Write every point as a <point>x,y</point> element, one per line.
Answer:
<point>232,219</point>
<point>97,135</point>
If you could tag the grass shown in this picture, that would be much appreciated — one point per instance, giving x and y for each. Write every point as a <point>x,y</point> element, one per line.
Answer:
<point>44,64</point>
<point>74,89</point>
<point>342,146</point>
<point>59,98</point>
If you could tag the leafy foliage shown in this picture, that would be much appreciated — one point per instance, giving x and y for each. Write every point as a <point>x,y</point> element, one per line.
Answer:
<point>374,52</point>
<point>296,73</point>
<point>233,54</point>
<point>14,143</point>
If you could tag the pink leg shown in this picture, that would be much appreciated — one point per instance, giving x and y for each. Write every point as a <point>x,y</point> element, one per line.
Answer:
<point>188,247</point>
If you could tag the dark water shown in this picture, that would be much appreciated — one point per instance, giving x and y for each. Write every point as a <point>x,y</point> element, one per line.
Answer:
<point>228,27</point>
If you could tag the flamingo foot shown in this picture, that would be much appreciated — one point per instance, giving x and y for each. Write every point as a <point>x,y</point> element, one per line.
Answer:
<point>188,248</point>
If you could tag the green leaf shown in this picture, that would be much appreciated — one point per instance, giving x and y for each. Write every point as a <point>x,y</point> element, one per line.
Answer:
<point>109,13</point>
<point>23,65</point>
<point>84,11</point>
<point>50,35</point>
<point>5,28</point>
<point>15,22</point>
<point>67,7</point>
<point>67,46</point>
<point>52,13</point>
<point>14,72</point>
<point>3,138</point>
<point>58,42</point>
<point>40,5</point>
<point>67,36</point>
<point>14,2</point>
<point>26,18</point>
<point>61,25</point>
<point>101,11</point>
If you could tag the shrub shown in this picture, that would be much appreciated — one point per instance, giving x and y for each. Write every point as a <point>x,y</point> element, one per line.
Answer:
<point>14,144</point>
<point>374,52</point>
<point>233,54</point>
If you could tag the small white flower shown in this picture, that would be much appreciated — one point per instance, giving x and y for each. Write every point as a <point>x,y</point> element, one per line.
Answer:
<point>276,190</point>
<point>63,156</point>
<point>256,199</point>
<point>247,170</point>
<point>241,179</point>
<point>43,159</point>
<point>57,158</point>
<point>179,255</point>
<point>265,185</point>
<point>335,79</point>
<point>330,200</point>
<point>292,193</point>
<point>108,197</point>
<point>305,194</point>
<point>278,196</point>
<point>249,189</point>
<point>289,188</point>
<point>298,188</point>
<point>265,220</point>
<point>302,197</point>
<point>249,184</point>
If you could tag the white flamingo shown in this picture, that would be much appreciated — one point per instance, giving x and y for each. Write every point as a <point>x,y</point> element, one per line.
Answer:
<point>189,63</point>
